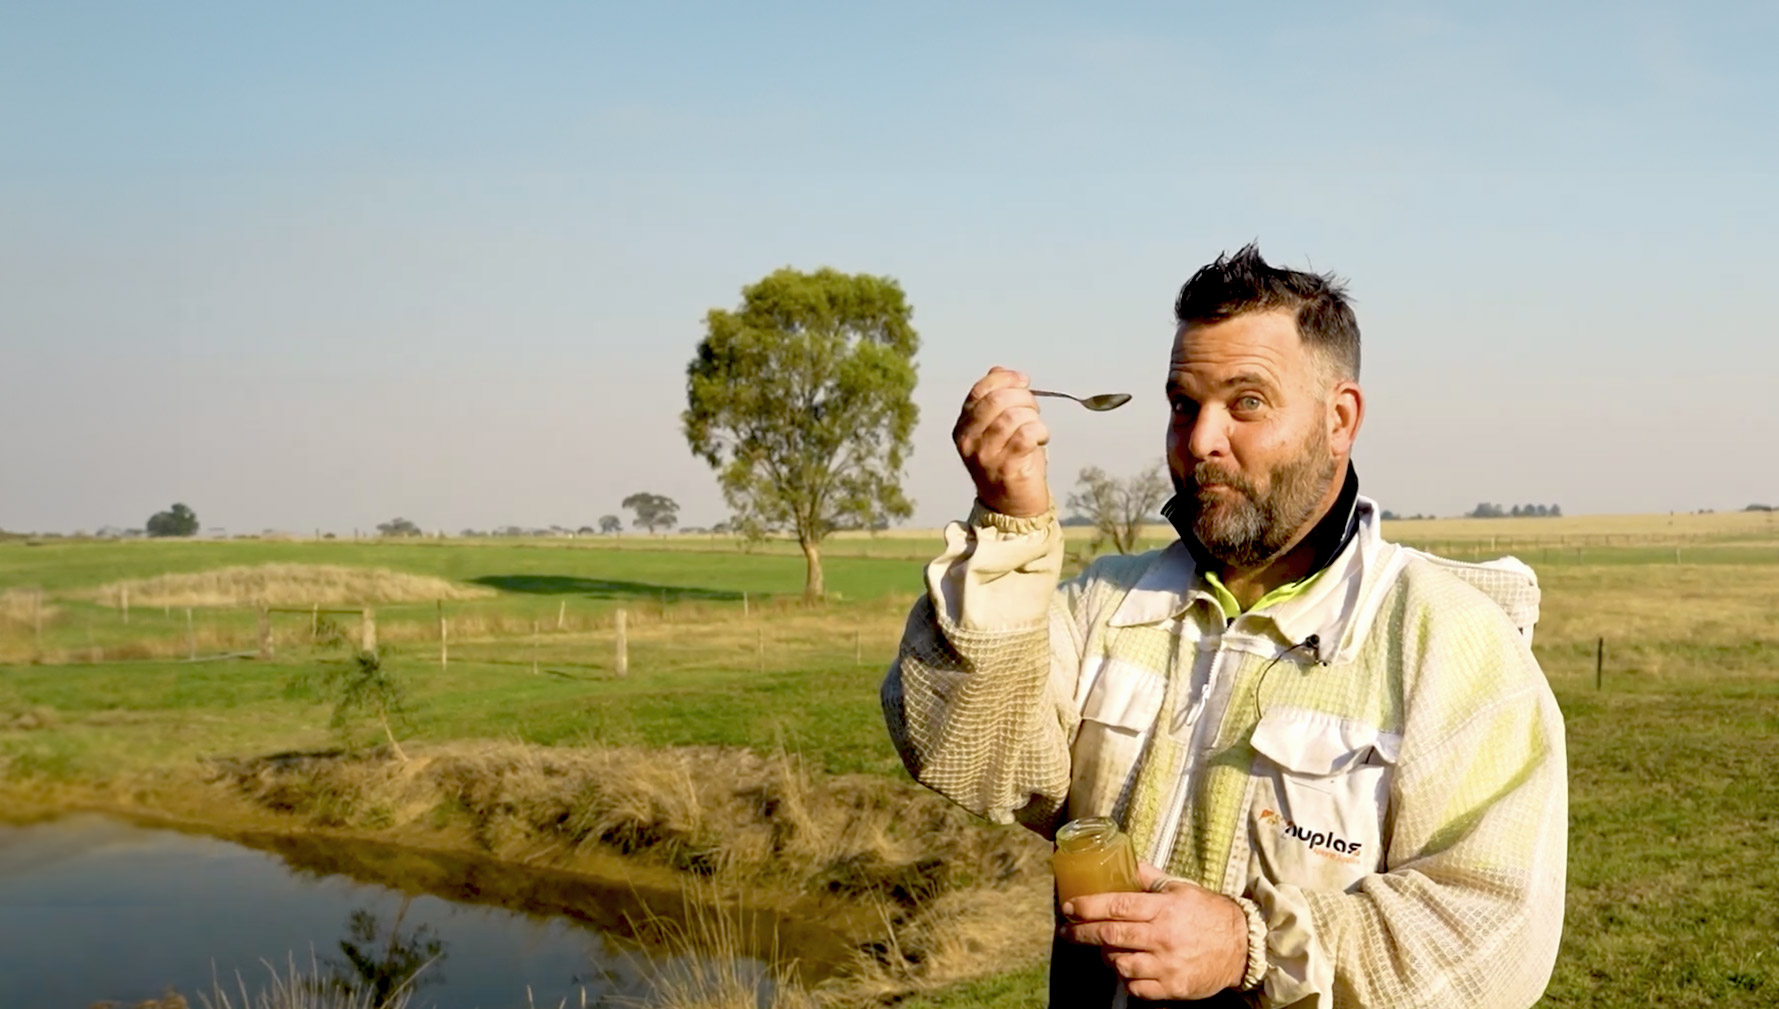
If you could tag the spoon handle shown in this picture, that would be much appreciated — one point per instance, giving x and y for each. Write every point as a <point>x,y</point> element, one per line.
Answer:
<point>1058,395</point>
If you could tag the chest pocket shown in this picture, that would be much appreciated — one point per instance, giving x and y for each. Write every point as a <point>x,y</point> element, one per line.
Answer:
<point>1116,717</point>
<point>1321,797</point>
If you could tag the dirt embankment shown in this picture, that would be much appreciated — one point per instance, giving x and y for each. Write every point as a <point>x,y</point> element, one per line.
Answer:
<point>921,893</point>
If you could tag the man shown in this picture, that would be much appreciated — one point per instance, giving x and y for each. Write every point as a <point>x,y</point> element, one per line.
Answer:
<point>1337,756</point>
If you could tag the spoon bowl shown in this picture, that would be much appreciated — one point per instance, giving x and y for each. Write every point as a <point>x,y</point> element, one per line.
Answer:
<point>1101,403</point>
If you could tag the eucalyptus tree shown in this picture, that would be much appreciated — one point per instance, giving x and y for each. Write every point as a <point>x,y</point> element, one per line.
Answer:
<point>802,400</point>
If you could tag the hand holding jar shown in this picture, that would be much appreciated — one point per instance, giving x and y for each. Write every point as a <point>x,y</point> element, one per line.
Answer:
<point>1177,940</point>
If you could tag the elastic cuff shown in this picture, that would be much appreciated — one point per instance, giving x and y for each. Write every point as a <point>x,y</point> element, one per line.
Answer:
<point>1256,971</point>
<point>984,517</point>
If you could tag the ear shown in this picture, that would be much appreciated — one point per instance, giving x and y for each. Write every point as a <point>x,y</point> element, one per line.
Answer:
<point>1346,412</point>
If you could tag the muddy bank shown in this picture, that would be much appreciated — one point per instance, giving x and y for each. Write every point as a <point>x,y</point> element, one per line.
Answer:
<point>878,886</point>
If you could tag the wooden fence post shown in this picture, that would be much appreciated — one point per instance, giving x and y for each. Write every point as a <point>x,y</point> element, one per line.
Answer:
<point>623,657</point>
<point>191,636</point>
<point>561,615</point>
<point>534,648</point>
<point>314,623</point>
<point>124,601</point>
<point>36,625</point>
<point>265,632</point>
<point>1599,663</point>
<point>444,637</point>
<point>858,647</point>
<point>367,640</point>
<point>744,606</point>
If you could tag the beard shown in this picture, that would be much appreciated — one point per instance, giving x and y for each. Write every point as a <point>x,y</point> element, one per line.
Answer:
<point>1243,526</point>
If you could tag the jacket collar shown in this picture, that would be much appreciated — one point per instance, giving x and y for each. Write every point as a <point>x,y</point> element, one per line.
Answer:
<point>1171,586</point>
<point>1330,536</point>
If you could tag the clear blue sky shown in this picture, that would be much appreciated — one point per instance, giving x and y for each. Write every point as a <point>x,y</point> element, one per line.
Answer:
<point>320,265</point>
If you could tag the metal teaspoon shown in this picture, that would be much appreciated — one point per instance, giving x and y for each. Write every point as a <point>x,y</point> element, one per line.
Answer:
<point>1102,402</point>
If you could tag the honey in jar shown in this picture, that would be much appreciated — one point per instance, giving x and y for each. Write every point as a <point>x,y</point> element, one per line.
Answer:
<point>1093,856</point>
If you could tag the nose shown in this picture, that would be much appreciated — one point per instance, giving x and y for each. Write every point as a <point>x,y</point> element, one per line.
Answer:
<point>1206,434</point>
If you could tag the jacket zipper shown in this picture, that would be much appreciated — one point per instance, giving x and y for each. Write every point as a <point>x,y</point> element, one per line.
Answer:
<point>1177,799</point>
<point>1176,805</point>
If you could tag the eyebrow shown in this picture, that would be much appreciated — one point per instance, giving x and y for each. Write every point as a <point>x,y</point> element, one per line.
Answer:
<point>1247,378</point>
<point>1242,378</point>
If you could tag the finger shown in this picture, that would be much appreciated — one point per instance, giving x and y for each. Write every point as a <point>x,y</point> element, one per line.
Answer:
<point>979,411</point>
<point>1028,438</point>
<point>1125,936</point>
<point>986,442</point>
<point>1114,907</point>
<point>997,378</point>
<point>1134,966</point>
<point>994,420</point>
<point>997,439</point>
<point>998,401</point>
<point>1149,989</point>
<point>1156,881</point>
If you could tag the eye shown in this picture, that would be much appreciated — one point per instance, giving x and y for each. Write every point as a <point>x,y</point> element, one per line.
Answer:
<point>1182,407</point>
<point>1248,403</point>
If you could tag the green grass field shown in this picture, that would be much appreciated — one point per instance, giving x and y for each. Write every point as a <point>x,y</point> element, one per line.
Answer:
<point>1674,893</point>
<point>579,587</point>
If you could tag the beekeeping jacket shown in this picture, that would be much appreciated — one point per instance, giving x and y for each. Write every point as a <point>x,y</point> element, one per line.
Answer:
<point>1372,767</point>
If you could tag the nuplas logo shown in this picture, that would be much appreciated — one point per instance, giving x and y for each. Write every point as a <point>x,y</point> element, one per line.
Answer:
<point>1322,842</point>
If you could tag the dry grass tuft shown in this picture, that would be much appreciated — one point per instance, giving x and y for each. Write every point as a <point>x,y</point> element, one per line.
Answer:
<point>706,961</point>
<point>958,936</point>
<point>285,585</point>
<point>20,606</point>
<point>293,989</point>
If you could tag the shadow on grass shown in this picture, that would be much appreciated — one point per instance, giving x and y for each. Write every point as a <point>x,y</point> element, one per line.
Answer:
<point>601,588</point>
<point>556,670</point>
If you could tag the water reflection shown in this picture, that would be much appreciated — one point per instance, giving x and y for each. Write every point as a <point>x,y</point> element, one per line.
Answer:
<point>94,909</point>
<point>381,970</point>
<point>613,907</point>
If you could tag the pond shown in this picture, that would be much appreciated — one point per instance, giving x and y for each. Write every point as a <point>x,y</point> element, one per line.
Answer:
<point>95,909</point>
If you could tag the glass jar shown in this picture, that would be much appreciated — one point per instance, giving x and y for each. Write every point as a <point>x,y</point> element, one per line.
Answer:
<point>1093,856</point>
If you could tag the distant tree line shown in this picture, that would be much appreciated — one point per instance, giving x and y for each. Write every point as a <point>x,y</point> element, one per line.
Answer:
<point>653,511</point>
<point>1495,511</point>
<point>1761,508</point>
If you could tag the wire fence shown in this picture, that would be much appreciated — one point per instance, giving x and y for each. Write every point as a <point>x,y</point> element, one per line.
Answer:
<point>590,634</point>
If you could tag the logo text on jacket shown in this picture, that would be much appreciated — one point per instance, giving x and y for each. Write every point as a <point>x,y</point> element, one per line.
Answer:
<point>1323,842</point>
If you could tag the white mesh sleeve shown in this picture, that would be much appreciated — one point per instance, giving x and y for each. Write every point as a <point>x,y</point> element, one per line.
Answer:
<point>968,700</point>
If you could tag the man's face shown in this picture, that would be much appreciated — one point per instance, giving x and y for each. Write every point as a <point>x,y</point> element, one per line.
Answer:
<point>1248,445</point>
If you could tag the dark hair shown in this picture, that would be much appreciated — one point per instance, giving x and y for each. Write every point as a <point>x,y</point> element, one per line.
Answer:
<point>1236,284</point>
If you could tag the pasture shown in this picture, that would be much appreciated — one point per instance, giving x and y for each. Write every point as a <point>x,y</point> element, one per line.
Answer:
<point>1673,896</point>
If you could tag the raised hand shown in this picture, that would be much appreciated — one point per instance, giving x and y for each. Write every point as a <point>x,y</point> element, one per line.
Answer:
<point>1001,439</point>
